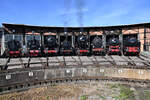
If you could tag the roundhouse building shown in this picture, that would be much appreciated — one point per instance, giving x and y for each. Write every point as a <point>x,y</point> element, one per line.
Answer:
<point>141,31</point>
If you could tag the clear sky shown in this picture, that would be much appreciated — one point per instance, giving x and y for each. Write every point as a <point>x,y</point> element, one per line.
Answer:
<point>65,12</point>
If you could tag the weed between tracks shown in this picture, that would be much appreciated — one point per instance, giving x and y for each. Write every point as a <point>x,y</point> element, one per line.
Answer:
<point>84,97</point>
<point>125,93</point>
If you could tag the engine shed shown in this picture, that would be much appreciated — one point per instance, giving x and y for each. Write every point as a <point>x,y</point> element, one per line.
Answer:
<point>140,31</point>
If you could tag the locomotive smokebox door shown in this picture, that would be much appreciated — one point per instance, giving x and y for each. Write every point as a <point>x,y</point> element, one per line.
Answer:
<point>51,46</point>
<point>66,45</point>
<point>82,43</point>
<point>97,45</point>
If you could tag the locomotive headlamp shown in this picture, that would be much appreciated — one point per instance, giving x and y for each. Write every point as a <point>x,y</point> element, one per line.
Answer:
<point>65,33</point>
<point>13,31</point>
<point>111,31</point>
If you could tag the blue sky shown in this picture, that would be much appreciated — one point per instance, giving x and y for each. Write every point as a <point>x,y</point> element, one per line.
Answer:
<point>57,12</point>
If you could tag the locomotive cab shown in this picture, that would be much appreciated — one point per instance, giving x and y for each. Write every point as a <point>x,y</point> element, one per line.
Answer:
<point>66,47</point>
<point>51,46</point>
<point>12,45</point>
<point>82,44</point>
<point>33,44</point>
<point>113,44</point>
<point>131,44</point>
<point>97,44</point>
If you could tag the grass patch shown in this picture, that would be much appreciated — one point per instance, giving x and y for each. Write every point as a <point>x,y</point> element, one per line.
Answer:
<point>125,93</point>
<point>47,98</point>
<point>83,97</point>
<point>111,86</point>
<point>147,95</point>
<point>101,97</point>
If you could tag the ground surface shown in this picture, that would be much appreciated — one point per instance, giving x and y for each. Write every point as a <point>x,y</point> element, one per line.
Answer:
<point>83,91</point>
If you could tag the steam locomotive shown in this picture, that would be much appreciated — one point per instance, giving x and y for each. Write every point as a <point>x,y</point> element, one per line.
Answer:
<point>13,46</point>
<point>50,45</point>
<point>97,45</point>
<point>66,45</point>
<point>82,45</point>
<point>114,46</point>
<point>131,46</point>
<point>33,45</point>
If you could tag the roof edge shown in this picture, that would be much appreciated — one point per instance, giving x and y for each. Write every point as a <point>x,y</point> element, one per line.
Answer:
<point>122,25</point>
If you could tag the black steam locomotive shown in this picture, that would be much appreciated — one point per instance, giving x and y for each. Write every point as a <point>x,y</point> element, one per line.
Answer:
<point>82,47</point>
<point>50,45</point>
<point>97,45</point>
<point>114,46</point>
<point>13,48</point>
<point>131,45</point>
<point>66,46</point>
<point>33,45</point>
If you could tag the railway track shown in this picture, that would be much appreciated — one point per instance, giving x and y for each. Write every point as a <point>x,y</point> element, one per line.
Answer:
<point>112,60</point>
